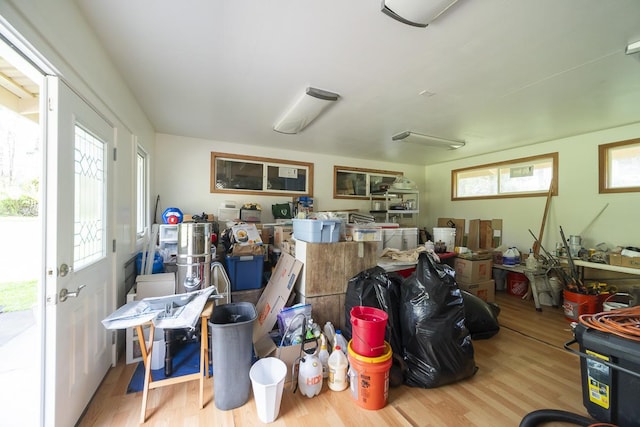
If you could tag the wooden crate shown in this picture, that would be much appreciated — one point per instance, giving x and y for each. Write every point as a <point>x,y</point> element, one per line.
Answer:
<point>326,308</point>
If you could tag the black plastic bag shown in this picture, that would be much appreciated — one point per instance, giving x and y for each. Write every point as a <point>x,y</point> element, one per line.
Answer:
<point>437,344</point>
<point>377,288</point>
<point>480,317</point>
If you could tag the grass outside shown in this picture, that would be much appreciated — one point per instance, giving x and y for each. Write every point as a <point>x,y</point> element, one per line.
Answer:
<point>18,296</point>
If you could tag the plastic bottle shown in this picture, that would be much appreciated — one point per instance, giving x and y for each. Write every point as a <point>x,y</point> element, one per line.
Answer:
<point>329,333</point>
<point>339,340</point>
<point>323,355</point>
<point>338,367</point>
<point>310,375</point>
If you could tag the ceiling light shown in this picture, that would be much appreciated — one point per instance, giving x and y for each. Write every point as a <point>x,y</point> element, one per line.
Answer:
<point>418,13</point>
<point>309,106</point>
<point>632,48</point>
<point>427,140</point>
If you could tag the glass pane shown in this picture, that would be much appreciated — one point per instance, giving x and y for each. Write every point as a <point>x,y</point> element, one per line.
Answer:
<point>380,183</point>
<point>286,178</point>
<point>624,166</point>
<point>89,211</point>
<point>141,193</point>
<point>523,178</point>
<point>477,183</point>
<point>351,183</point>
<point>239,175</point>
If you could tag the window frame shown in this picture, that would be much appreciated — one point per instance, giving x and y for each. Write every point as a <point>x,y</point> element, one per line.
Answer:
<point>603,167</point>
<point>142,186</point>
<point>368,174</point>
<point>266,162</point>
<point>497,165</point>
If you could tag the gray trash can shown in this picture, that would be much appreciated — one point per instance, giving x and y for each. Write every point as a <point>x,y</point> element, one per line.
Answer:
<point>232,353</point>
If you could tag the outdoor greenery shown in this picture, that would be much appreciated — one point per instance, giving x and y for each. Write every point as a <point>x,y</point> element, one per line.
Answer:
<point>18,296</point>
<point>22,206</point>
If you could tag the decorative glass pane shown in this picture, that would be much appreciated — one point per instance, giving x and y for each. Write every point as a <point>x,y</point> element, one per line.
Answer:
<point>89,206</point>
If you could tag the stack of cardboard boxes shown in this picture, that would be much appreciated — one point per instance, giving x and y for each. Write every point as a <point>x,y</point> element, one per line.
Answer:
<point>475,276</point>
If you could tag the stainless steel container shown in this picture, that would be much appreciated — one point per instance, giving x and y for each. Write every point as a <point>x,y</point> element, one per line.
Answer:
<point>193,256</point>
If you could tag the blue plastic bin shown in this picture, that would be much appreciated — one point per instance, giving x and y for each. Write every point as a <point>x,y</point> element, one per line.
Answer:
<point>245,272</point>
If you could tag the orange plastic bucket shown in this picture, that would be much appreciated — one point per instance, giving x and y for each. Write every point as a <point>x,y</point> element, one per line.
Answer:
<point>576,304</point>
<point>368,326</point>
<point>369,378</point>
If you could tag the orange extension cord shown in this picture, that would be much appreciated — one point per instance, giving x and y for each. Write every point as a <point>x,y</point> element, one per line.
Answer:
<point>624,322</point>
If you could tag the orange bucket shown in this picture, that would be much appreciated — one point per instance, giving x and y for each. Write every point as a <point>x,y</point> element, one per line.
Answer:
<point>576,304</point>
<point>369,378</point>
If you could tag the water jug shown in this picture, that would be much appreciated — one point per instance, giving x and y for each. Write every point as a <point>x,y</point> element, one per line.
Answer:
<point>310,375</point>
<point>338,366</point>
<point>511,257</point>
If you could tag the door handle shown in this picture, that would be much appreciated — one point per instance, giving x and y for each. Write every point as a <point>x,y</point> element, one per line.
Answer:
<point>64,293</point>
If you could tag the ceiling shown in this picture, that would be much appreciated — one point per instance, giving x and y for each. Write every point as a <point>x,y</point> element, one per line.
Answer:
<point>493,73</point>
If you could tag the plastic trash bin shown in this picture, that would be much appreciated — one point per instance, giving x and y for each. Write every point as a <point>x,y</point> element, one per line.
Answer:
<point>267,380</point>
<point>232,353</point>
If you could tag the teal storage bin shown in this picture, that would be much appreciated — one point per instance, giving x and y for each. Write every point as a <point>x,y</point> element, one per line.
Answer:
<point>245,272</point>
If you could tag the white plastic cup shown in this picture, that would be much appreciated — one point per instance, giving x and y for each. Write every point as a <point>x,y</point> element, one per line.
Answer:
<point>267,380</point>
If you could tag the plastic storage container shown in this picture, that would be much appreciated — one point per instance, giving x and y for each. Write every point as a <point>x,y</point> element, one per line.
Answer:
<point>245,272</point>
<point>364,233</point>
<point>316,230</point>
<point>232,353</point>
<point>610,377</point>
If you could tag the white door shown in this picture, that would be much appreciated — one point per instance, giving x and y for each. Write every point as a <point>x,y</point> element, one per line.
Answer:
<point>78,253</point>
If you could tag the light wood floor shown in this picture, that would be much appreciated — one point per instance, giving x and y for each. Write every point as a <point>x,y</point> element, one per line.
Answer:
<point>521,369</point>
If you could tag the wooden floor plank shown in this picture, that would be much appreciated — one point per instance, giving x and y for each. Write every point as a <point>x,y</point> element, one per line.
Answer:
<point>521,369</point>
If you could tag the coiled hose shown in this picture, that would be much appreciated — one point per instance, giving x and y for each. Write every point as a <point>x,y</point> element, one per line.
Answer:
<point>624,322</point>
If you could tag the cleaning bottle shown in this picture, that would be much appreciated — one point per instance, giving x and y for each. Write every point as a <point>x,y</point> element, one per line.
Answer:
<point>323,355</point>
<point>329,333</point>
<point>339,340</point>
<point>310,375</point>
<point>338,366</point>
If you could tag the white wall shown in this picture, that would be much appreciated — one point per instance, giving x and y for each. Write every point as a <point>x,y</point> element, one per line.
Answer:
<point>59,33</point>
<point>182,171</point>
<point>575,208</point>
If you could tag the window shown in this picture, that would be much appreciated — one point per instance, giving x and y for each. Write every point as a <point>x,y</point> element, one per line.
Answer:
<point>619,166</point>
<point>141,193</point>
<point>526,177</point>
<point>236,174</point>
<point>356,183</point>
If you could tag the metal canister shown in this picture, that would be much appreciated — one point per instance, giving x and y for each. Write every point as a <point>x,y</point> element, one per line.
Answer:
<point>193,256</point>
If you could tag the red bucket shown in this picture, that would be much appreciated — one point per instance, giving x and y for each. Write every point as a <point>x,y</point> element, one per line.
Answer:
<point>369,325</point>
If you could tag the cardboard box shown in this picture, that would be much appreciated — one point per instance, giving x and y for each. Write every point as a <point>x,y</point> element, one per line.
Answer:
<point>485,290</point>
<point>281,233</point>
<point>468,271</point>
<point>624,261</point>
<point>246,234</point>
<point>272,300</point>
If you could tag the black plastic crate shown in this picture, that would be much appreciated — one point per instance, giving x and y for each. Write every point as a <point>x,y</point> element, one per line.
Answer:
<point>610,370</point>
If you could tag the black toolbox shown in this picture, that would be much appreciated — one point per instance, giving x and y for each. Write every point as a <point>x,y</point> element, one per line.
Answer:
<point>610,369</point>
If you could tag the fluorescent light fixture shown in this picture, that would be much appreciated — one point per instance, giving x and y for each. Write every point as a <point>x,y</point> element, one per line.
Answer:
<point>418,13</point>
<point>632,48</point>
<point>427,140</point>
<point>306,108</point>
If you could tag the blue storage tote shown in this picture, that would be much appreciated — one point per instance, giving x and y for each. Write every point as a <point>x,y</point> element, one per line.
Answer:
<point>245,272</point>
<point>316,230</point>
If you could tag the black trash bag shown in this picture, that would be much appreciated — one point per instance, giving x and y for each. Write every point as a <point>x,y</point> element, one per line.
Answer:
<point>480,317</point>
<point>437,344</point>
<point>377,288</point>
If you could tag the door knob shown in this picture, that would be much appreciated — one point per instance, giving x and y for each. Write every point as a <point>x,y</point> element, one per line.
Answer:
<point>64,293</point>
